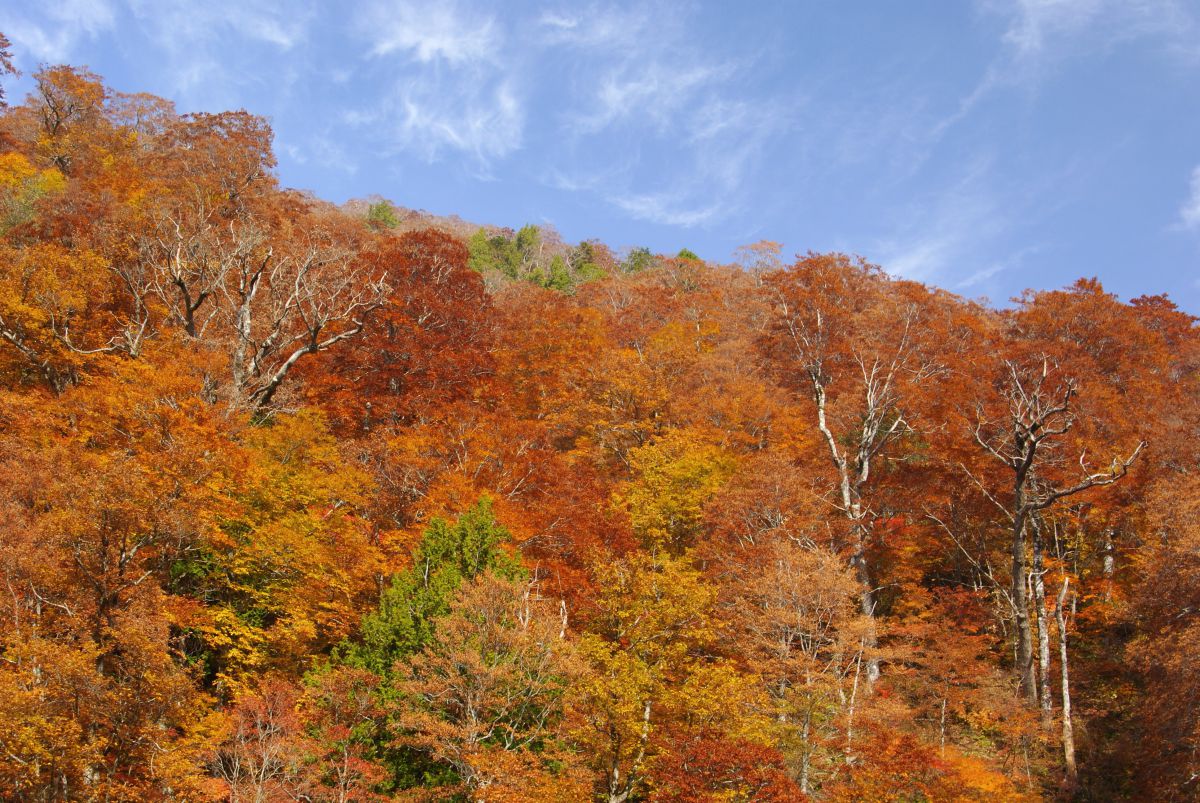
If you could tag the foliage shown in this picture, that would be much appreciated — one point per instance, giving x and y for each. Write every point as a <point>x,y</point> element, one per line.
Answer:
<point>409,608</point>
<point>771,530</point>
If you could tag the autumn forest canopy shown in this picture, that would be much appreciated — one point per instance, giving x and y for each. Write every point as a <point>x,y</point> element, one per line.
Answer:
<point>313,502</point>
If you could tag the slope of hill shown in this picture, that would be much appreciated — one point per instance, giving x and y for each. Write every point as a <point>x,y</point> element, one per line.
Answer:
<point>359,503</point>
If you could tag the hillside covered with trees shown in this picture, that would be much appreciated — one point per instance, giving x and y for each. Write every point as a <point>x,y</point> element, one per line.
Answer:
<point>307,502</point>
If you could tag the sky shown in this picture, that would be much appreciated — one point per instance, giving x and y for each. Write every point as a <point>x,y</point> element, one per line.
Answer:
<point>983,146</point>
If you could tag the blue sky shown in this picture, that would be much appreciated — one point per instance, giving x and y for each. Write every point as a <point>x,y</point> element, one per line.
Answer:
<point>981,145</point>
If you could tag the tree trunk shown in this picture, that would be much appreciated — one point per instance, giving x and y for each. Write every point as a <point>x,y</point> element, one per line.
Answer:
<point>1110,563</point>
<point>806,757</point>
<point>1020,603</point>
<point>1043,626</point>
<point>866,601</point>
<point>1068,729</point>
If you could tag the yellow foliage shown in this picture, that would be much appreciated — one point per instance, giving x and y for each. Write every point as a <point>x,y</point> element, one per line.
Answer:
<point>673,478</point>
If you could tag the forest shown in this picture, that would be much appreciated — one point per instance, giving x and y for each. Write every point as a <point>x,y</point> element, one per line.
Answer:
<point>308,502</point>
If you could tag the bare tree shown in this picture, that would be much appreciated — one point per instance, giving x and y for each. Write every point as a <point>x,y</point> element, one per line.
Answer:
<point>1037,411</point>
<point>284,305</point>
<point>869,354</point>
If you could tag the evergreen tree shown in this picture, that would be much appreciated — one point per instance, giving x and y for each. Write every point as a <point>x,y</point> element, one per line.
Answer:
<point>447,555</point>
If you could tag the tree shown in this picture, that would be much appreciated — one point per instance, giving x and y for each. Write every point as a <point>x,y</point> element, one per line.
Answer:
<point>759,257</point>
<point>340,714</point>
<point>6,65</point>
<point>675,476</point>
<point>653,618</point>
<point>262,758</point>
<point>848,338</point>
<point>427,345</point>
<point>710,768</point>
<point>1036,411</point>
<point>492,680</point>
<point>382,215</point>
<point>103,489</point>
<point>214,182</point>
<point>448,555</point>
<point>637,259</point>
<point>800,628</point>
<point>289,563</point>
<point>1166,599</point>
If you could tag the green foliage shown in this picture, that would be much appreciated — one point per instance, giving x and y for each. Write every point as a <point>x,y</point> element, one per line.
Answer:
<point>447,555</point>
<point>638,259</point>
<point>559,278</point>
<point>527,241</point>
<point>406,622</point>
<point>523,257</point>
<point>480,250</point>
<point>513,258</point>
<point>687,253</point>
<point>584,264</point>
<point>382,215</point>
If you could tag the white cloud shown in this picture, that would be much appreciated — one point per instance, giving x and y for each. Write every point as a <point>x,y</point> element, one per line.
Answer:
<point>447,85</point>
<point>652,93</point>
<point>1040,30</point>
<point>483,122</point>
<point>677,119</point>
<point>207,49</point>
<point>181,26</point>
<point>53,35</point>
<point>715,147</point>
<point>981,275</point>
<point>940,233</point>
<point>1189,213</point>
<point>429,31</point>
<point>1033,22</point>
<point>320,149</point>
<point>667,209</point>
<point>599,27</point>
<point>1039,33</point>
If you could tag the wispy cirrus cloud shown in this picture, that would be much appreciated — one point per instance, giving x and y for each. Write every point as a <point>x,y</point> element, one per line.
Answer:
<point>461,83</point>
<point>200,51</point>
<point>668,208</point>
<point>595,26</point>
<point>937,232</point>
<point>1040,33</point>
<point>188,25</point>
<point>649,95</point>
<point>53,32</point>
<point>1038,28</point>
<point>208,50</point>
<point>1189,213</point>
<point>430,32</point>
<point>671,99</point>
<point>1037,32</point>
<point>485,122</point>
<point>449,86</point>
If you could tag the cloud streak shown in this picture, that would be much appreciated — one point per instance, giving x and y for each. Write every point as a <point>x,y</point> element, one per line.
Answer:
<point>430,32</point>
<point>1189,213</point>
<point>448,86</point>
<point>55,38</point>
